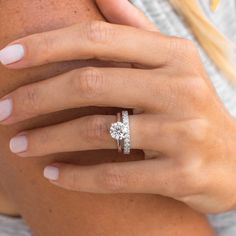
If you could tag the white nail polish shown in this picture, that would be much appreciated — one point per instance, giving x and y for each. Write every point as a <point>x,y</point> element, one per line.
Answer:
<point>51,173</point>
<point>12,54</point>
<point>5,109</point>
<point>19,144</point>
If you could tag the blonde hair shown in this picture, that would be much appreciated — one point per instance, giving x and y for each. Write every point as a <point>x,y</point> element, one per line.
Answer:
<point>217,46</point>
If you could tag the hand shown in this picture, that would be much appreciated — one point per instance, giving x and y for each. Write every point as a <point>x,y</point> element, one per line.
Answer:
<point>184,130</point>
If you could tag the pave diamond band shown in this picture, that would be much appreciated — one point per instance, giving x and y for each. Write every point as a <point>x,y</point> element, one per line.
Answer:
<point>120,131</point>
<point>127,144</point>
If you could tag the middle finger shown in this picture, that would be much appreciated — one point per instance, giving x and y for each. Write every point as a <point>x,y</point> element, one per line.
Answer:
<point>105,87</point>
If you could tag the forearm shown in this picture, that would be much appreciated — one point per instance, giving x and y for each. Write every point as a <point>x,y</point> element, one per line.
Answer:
<point>52,211</point>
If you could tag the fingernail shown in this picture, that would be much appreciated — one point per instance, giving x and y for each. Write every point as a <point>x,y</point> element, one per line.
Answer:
<point>51,173</point>
<point>11,54</point>
<point>19,144</point>
<point>5,109</point>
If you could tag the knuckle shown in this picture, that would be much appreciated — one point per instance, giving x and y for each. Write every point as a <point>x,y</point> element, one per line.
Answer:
<point>190,91</point>
<point>44,43</point>
<point>87,82</point>
<point>195,130</point>
<point>196,89</point>
<point>39,142</point>
<point>72,179</point>
<point>29,99</point>
<point>43,139</point>
<point>166,91</point>
<point>97,128</point>
<point>98,31</point>
<point>186,46</point>
<point>112,179</point>
<point>191,176</point>
<point>182,48</point>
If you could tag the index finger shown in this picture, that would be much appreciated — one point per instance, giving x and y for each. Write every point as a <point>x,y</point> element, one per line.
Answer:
<point>90,40</point>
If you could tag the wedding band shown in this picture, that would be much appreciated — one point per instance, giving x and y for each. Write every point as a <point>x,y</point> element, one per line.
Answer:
<point>121,133</point>
<point>127,144</point>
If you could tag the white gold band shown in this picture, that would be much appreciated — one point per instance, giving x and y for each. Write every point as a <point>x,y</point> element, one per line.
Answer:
<point>127,141</point>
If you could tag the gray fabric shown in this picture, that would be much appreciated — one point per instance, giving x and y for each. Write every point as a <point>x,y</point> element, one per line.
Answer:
<point>10,226</point>
<point>161,12</point>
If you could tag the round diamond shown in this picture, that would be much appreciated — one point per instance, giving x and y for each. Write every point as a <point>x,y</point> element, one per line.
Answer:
<point>118,131</point>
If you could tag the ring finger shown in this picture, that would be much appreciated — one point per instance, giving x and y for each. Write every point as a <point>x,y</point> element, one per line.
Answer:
<point>92,133</point>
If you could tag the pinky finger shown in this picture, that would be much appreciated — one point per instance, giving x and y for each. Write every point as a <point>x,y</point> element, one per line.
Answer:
<point>148,176</point>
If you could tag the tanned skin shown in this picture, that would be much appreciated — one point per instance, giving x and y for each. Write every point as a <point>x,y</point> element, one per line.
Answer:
<point>50,210</point>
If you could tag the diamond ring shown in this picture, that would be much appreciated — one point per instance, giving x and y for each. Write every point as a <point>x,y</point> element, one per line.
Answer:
<point>120,131</point>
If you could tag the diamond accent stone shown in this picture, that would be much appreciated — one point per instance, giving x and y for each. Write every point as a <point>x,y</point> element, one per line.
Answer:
<point>119,131</point>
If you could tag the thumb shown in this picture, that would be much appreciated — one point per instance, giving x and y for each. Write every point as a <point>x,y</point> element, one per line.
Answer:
<point>123,12</point>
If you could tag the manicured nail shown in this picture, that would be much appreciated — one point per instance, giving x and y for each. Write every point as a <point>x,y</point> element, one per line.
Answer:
<point>51,173</point>
<point>19,144</point>
<point>5,109</point>
<point>11,54</point>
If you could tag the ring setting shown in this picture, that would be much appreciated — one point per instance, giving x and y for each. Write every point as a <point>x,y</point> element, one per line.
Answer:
<point>120,131</point>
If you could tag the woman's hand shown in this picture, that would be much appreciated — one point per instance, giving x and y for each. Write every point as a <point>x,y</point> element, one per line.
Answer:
<point>184,130</point>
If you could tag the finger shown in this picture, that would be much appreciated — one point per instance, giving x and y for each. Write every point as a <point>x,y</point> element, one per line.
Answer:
<point>91,40</point>
<point>93,133</point>
<point>149,176</point>
<point>124,13</point>
<point>105,87</point>
<point>87,133</point>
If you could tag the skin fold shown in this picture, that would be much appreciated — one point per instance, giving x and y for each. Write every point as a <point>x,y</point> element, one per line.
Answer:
<point>53,211</point>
